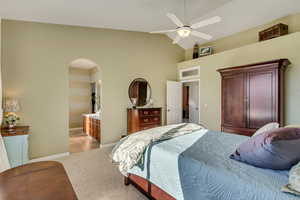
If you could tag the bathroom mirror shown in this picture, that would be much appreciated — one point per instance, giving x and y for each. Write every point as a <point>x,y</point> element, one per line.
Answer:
<point>139,92</point>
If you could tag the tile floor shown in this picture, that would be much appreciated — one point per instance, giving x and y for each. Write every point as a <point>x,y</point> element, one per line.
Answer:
<point>80,142</point>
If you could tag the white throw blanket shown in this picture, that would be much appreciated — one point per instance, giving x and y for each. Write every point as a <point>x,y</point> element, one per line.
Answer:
<point>129,151</point>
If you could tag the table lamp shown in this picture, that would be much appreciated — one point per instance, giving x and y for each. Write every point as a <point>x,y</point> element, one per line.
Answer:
<point>11,106</point>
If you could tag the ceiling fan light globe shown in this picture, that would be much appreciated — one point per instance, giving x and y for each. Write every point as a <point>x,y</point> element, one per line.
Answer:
<point>184,32</point>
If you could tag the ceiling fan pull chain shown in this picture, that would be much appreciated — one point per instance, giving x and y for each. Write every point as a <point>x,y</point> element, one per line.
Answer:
<point>184,12</point>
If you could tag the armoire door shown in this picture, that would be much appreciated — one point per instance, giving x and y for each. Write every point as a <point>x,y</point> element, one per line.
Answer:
<point>262,98</point>
<point>233,100</point>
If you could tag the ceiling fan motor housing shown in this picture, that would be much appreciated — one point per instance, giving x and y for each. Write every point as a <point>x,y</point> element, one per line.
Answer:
<point>184,31</point>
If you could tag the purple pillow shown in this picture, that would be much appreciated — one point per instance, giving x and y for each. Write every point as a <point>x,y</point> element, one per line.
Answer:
<point>277,149</point>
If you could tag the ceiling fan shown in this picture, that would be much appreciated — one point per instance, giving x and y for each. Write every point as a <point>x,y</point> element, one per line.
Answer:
<point>184,30</point>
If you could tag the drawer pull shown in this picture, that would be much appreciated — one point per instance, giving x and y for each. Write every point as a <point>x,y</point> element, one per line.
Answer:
<point>146,120</point>
<point>156,119</point>
<point>146,112</point>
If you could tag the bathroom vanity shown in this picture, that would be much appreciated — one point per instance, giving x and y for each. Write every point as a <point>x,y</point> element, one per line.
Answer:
<point>92,125</point>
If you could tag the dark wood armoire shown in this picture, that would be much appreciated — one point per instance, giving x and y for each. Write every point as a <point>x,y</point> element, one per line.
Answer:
<point>252,96</point>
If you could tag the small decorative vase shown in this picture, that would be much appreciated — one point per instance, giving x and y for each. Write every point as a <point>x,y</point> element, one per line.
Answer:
<point>11,120</point>
<point>134,102</point>
<point>11,126</point>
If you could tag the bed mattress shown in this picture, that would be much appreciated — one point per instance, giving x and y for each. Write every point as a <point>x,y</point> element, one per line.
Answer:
<point>197,166</point>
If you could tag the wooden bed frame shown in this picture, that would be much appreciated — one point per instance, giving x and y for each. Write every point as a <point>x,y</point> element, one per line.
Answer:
<point>149,189</point>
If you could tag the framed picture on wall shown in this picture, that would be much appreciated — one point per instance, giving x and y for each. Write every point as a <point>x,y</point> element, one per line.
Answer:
<point>205,51</point>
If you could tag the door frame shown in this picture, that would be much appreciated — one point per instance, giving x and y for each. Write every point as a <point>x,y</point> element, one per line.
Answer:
<point>181,71</point>
<point>195,80</point>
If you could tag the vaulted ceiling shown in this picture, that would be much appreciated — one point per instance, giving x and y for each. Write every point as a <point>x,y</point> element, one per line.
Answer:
<point>150,15</point>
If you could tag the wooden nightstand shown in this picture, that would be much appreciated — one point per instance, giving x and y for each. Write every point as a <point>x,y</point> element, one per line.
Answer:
<point>16,144</point>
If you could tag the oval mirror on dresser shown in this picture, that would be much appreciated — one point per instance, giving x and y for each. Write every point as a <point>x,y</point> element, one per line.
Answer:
<point>139,92</point>
<point>142,116</point>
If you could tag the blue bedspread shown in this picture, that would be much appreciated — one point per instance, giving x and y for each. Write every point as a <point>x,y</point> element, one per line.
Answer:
<point>192,167</point>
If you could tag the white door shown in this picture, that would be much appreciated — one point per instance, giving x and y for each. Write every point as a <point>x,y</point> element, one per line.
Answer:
<point>194,102</point>
<point>174,102</point>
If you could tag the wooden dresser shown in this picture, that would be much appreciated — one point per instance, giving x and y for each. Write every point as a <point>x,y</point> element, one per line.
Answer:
<point>143,118</point>
<point>252,96</point>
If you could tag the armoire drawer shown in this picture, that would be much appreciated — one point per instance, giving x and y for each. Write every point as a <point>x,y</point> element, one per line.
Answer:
<point>239,131</point>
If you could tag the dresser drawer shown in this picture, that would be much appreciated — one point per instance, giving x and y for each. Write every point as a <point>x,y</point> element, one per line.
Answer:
<point>145,127</point>
<point>150,112</point>
<point>143,119</point>
<point>150,119</point>
<point>156,112</point>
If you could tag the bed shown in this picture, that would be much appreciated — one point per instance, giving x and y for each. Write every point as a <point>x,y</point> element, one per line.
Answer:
<point>197,166</point>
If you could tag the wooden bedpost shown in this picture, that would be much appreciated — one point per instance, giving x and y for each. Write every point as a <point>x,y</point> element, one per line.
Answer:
<point>126,181</point>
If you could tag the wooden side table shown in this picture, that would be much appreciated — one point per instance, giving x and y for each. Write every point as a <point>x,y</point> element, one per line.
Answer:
<point>16,144</point>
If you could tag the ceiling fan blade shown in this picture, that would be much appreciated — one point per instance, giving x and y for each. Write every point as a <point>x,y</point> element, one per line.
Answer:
<point>207,22</point>
<point>165,31</point>
<point>175,20</point>
<point>201,35</point>
<point>177,39</point>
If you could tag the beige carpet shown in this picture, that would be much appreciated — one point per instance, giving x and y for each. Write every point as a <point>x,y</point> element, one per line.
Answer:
<point>94,177</point>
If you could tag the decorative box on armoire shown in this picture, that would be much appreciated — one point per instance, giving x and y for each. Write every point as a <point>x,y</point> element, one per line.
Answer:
<point>142,119</point>
<point>252,96</point>
<point>16,144</point>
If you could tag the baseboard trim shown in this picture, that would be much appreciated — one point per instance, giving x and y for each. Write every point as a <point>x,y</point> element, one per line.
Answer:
<point>52,157</point>
<point>76,129</point>
<point>108,145</point>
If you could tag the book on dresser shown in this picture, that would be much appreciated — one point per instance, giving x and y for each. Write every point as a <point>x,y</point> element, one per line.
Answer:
<point>142,119</point>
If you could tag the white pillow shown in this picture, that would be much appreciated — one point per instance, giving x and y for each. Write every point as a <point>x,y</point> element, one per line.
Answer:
<point>266,127</point>
<point>294,181</point>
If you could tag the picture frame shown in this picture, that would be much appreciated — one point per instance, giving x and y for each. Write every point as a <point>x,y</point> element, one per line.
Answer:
<point>205,51</point>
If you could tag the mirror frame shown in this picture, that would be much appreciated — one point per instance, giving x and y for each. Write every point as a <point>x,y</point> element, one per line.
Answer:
<point>131,84</point>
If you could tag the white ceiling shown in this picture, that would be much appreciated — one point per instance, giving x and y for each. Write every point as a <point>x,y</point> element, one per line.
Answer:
<point>150,15</point>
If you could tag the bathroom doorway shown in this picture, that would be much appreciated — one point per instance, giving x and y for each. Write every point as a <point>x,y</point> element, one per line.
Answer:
<point>84,105</point>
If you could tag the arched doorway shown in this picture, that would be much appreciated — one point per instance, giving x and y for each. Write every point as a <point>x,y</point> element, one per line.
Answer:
<point>84,105</point>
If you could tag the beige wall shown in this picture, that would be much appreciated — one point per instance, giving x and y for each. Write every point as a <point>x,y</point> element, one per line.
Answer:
<point>1,112</point>
<point>79,95</point>
<point>249,36</point>
<point>35,69</point>
<point>210,80</point>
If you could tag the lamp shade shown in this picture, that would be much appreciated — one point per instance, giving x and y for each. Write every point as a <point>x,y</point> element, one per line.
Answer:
<point>11,105</point>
